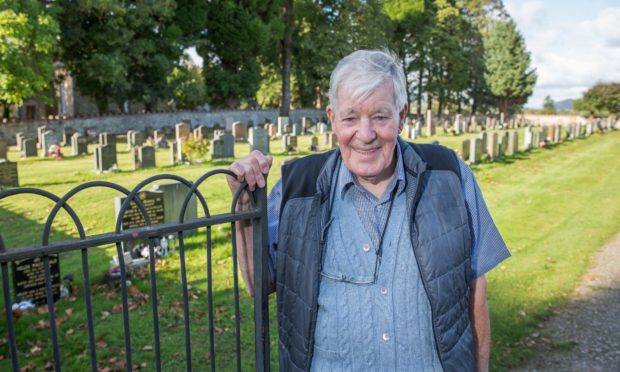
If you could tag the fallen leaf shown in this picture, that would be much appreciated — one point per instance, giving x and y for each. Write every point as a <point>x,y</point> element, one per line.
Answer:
<point>101,343</point>
<point>70,331</point>
<point>105,315</point>
<point>27,368</point>
<point>69,311</point>
<point>49,366</point>
<point>35,350</point>
<point>60,320</point>
<point>147,348</point>
<point>43,323</point>
<point>117,308</point>
<point>42,309</point>
<point>218,330</point>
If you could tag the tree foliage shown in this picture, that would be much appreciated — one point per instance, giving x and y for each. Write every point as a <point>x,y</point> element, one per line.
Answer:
<point>548,106</point>
<point>28,34</point>
<point>602,98</point>
<point>509,75</point>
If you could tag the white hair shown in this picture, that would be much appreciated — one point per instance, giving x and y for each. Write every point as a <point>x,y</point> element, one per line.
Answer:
<point>363,71</point>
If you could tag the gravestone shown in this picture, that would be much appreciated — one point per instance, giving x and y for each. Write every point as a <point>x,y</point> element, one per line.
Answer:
<point>137,138</point>
<point>465,149</point>
<point>287,129</point>
<point>79,144</point>
<point>457,125</point>
<point>430,126</point>
<point>229,144</point>
<point>19,137</point>
<point>29,279</point>
<point>528,138</point>
<point>174,195</point>
<point>143,157</point>
<point>483,138</point>
<point>297,130</point>
<point>153,202</point>
<point>200,133</point>
<point>130,139</point>
<point>557,133</point>
<point>409,132</point>
<point>538,142</point>
<point>258,140</point>
<point>544,134</point>
<point>475,151</point>
<point>332,140</point>
<point>217,149</point>
<point>105,158</point>
<point>173,152</point>
<point>67,133</point>
<point>106,138</point>
<point>502,143</point>
<point>239,131</point>
<point>513,143</point>
<point>322,128</point>
<point>282,122</point>
<point>29,148</point>
<point>589,128</point>
<point>49,138</point>
<point>289,142</point>
<point>489,123</point>
<point>4,149</point>
<point>473,124</point>
<point>501,119</point>
<point>272,130</point>
<point>492,146</point>
<point>550,133</point>
<point>314,143</point>
<point>8,173</point>
<point>305,123</point>
<point>40,131</point>
<point>182,131</point>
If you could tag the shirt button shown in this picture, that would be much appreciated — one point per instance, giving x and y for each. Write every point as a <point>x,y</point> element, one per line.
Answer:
<point>386,336</point>
<point>365,247</point>
<point>383,290</point>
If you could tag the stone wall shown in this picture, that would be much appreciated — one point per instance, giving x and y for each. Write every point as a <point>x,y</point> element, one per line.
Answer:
<point>122,123</point>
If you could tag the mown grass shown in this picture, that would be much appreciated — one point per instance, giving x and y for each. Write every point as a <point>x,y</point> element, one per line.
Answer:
<point>554,207</point>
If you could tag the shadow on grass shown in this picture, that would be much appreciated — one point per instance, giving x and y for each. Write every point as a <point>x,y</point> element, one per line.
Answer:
<point>32,328</point>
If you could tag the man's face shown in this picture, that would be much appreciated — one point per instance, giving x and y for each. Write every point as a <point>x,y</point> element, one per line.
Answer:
<point>367,131</point>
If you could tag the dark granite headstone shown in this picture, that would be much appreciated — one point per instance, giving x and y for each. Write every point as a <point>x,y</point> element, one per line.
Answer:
<point>79,144</point>
<point>174,196</point>
<point>105,158</point>
<point>143,157</point>
<point>217,149</point>
<point>8,173</point>
<point>106,138</point>
<point>29,148</point>
<point>4,149</point>
<point>132,218</point>
<point>67,133</point>
<point>29,279</point>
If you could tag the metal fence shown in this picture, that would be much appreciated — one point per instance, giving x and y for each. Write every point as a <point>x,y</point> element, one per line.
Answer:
<point>257,214</point>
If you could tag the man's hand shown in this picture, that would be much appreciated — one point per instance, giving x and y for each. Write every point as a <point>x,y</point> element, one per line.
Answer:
<point>251,170</point>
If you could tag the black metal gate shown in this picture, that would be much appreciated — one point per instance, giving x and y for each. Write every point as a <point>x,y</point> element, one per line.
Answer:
<point>257,215</point>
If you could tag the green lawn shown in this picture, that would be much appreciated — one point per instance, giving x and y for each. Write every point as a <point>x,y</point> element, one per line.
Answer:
<point>554,207</point>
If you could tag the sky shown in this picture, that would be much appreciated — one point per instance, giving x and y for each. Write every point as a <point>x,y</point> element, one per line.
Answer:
<point>573,44</point>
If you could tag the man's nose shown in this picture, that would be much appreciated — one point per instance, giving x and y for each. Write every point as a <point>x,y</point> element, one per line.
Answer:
<point>366,131</point>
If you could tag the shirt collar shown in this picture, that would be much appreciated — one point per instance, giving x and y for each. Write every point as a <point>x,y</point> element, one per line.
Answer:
<point>346,179</point>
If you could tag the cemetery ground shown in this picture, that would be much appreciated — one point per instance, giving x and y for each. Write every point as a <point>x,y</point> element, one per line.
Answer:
<point>554,206</point>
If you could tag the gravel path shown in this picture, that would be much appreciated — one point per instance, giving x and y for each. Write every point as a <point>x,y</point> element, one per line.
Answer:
<point>586,331</point>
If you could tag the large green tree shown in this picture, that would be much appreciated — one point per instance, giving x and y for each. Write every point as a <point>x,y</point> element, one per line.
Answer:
<point>508,72</point>
<point>120,50</point>
<point>27,43</point>
<point>602,98</point>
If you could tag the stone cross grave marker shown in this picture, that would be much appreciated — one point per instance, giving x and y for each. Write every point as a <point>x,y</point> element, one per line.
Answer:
<point>79,144</point>
<point>105,158</point>
<point>153,202</point>
<point>29,148</point>
<point>259,140</point>
<point>8,173</point>
<point>29,279</point>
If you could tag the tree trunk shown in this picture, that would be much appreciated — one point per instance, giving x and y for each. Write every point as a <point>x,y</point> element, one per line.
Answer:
<point>289,18</point>
<point>406,81</point>
<point>419,97</point>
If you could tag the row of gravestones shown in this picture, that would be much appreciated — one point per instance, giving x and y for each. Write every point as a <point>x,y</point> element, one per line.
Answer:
<point>497,144</point>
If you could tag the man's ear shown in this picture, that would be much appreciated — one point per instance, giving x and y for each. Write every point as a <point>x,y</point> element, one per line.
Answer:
<point>330,114</point>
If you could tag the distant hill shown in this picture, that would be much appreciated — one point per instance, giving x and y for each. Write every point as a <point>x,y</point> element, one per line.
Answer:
<point>564,105</point>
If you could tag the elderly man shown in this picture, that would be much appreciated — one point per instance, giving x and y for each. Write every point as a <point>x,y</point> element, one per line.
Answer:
<point>380,246</point>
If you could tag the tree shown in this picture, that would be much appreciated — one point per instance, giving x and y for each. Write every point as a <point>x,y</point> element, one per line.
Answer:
<point>27,43</point>
<point>507,60</point>
<point>548,106</point>
<point>187,85</point>
<point>120,50</point>
<point>602,98</point>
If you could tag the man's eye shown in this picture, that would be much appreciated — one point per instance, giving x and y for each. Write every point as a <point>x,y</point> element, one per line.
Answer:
<point>382,117</point>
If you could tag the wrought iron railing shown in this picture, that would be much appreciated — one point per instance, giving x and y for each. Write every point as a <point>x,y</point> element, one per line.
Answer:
<point>257,214</point>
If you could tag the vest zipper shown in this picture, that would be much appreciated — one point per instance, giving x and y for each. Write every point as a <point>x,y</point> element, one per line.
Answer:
<point>416,200</point>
